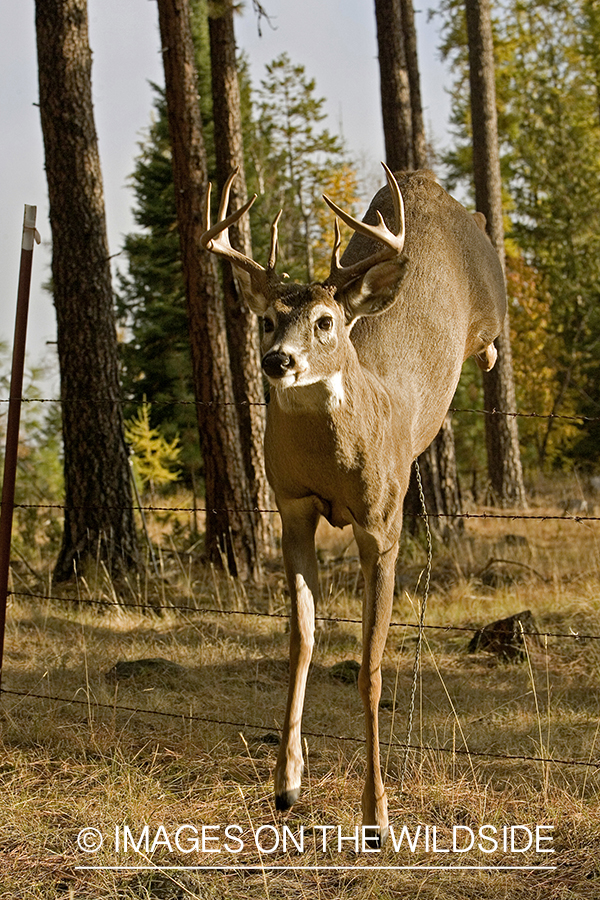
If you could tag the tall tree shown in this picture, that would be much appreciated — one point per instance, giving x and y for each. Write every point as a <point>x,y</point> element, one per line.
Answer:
<point>409,33</point>
<point>549,127</point>
<point>406,147</point>
<point>394,85</point>
<point>229,521</point>
<point>555,180</point>
<point>293,160</point>
<point>242,324</point>
<point>155,351</point>
<point>502,439</point>
<point>98,514</point>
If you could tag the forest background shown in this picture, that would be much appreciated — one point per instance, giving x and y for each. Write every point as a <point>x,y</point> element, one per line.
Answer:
<point>548,82</point>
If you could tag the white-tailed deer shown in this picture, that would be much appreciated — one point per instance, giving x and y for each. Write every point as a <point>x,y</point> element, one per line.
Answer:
<point>362,368</point>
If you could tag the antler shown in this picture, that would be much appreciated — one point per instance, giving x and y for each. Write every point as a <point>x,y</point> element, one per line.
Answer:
<point>216,238</point>
<point>393,242</point>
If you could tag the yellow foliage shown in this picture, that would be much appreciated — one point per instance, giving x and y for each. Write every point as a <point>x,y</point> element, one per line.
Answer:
<point>153,456</point>
<point>535,359</point>
<point>341,186</point>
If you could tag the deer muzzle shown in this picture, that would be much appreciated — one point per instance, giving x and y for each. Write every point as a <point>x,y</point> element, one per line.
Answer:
<point>277,364</point>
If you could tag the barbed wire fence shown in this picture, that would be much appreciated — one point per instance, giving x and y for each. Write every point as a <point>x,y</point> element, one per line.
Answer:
<point>203,611</point>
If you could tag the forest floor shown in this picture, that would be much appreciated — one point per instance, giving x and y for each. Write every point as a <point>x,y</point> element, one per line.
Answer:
<point>163,757</point>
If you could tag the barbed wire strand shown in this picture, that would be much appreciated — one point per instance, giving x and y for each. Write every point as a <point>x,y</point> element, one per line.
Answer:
<point>512,516</point>
<point>407,746</point>
<point>332,620</point>
<point>177,402</point>
<point>187,717</point>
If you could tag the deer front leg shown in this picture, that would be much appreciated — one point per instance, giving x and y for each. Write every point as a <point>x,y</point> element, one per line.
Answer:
<point>378,566</point>
<point>299,520</point>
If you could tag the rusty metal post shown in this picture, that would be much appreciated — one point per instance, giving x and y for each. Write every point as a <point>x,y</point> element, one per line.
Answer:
<point>14,412</point>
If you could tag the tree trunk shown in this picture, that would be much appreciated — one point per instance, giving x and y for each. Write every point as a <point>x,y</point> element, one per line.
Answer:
<point>441,490</point>
<point>229,521</point>
<point>395,91</point>
<point>242,324</point>
<point>99,521</point>
<point>403,121</point>
<point>502,438</point>
<point>409,31</point>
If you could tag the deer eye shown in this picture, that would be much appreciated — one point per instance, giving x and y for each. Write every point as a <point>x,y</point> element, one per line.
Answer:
<point>325,323</point>
<point>268,326</point>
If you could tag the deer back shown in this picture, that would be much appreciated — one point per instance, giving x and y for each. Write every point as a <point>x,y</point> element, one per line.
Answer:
<point>451,303</point>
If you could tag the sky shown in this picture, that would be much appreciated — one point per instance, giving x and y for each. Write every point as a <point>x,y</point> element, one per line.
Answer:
<point>334,39</point>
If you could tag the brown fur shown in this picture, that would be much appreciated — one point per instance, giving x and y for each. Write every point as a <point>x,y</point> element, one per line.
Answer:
<point>362,374</point>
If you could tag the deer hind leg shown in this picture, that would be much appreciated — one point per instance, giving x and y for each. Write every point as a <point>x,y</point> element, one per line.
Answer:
<point>378,566</point>
<point>299,521</point>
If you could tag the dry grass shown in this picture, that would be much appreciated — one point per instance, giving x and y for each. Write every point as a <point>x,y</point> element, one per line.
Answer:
<point>69,766</point>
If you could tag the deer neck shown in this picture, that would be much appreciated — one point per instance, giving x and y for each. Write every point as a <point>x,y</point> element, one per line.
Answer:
<point>343,394</point>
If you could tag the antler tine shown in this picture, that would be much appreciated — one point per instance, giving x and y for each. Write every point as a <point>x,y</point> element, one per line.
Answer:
<point>379,232</point>
<point>207,210</point>
<point>274,242</point>
<point>398,204</point>
<point>224,202</point>
<point>216,238</point>
<point>337,243</point>
<point>222,227</point>
<point>393,241</point>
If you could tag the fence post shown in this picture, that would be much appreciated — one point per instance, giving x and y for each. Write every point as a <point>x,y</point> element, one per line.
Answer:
<point>14,412</point>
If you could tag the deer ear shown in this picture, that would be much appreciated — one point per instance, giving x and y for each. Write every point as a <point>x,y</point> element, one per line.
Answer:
<point>375,291</point>
<point>250,290</point>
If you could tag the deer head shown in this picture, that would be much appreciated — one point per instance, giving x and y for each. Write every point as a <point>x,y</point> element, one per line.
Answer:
<point>306,328</point>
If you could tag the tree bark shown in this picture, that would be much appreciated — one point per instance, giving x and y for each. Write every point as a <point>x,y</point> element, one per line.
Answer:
<point>230,534</point>
<point>441,489</point>
<point>409,31</point>
<point>395,91</point>
<point>242,324</point>
<point>405,141</point>
<point>502,438</point>
<point>99,520</point>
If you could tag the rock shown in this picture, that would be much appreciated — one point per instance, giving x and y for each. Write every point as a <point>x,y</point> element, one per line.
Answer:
<point>504,637</point>
<point>346,671</point>
<point>269,738</point>
<point>513,540</point>
<point>158,669</point>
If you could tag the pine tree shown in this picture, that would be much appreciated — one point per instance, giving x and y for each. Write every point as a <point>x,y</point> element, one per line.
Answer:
<point>154,458</point>
<point>229,533</point>
<point>155,347</point>
<point>549,128</point>
<point>98,501</point>
<point>406,148</point>
<point>502,438</point>
<point>242,324</point>
<point>291,160</point>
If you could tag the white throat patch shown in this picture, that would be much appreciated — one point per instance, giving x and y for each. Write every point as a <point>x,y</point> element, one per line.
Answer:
<point>312,393</point>
<point>335,385</point>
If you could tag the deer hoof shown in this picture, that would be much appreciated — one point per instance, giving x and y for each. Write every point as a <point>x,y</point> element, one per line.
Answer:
<point>286,799</point>
<point>374,837</point>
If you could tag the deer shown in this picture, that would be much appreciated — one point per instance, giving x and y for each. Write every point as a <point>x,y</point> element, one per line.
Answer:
<point>362,369</point>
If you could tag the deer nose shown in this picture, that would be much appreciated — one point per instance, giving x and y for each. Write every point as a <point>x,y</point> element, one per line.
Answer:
<point>276,363</point>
